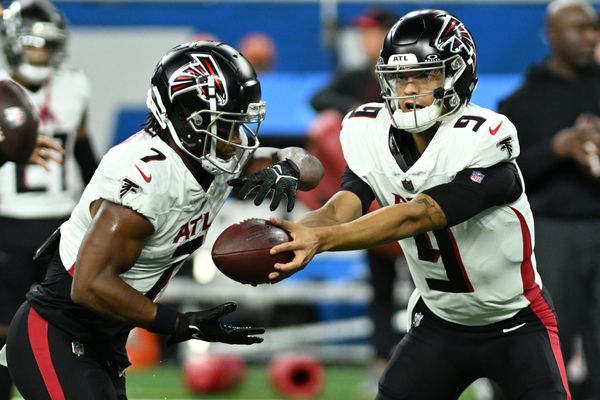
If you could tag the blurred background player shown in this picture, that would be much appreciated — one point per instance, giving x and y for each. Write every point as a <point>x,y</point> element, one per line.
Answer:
<point>35,200</point>
<point>17,144</point>
<point>557,113</point>
<point>349,89</point>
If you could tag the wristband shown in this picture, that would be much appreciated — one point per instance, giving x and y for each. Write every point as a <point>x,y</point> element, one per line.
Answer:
<point>293,166</point>
<point>165,321</point>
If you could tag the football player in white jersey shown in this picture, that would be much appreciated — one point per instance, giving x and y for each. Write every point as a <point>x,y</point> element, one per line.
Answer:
<point>146,209</point>
<point>444,172</point>
<point>35,198</point>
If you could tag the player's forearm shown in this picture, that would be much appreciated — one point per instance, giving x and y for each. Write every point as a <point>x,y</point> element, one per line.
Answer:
<point>114,298</point>
<point>311,169</point>
<point>342,207</point>
<point>321,217</point>
<point>383,226</point>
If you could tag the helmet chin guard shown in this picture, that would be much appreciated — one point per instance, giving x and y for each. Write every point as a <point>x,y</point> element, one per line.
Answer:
<point>417,120</point>
<point>34,74</point>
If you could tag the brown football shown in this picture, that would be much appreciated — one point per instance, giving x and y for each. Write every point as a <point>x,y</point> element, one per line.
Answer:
<point>18,123</point>
<point>241,252</point>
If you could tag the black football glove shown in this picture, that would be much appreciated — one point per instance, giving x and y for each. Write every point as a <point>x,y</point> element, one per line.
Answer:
<point>206,325</point>
<point>281,177</point>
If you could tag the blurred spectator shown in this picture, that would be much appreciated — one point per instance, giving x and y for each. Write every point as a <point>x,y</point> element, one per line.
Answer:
<point>354,87</point>
<point>556,112</point>
<point>348,90</point>
<point>36,199</point>
<point>260,50</point>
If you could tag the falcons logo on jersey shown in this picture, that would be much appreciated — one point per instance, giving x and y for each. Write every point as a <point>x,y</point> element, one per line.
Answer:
<point>506,145</point>
<point>455,37</point>
<point>127,185</point>
<point>194,77</point>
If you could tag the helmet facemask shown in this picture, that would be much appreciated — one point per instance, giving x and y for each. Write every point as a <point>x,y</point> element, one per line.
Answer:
<point>393,77</point>
<point>218,129</point>
<point>203,132</point>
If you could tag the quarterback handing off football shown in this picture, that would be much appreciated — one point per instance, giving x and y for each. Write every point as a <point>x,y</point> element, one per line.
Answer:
<point>241,252</point>
<point>18,123</point>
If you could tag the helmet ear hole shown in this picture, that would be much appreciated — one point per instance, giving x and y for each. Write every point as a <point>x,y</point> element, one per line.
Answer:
<point>197,120</point>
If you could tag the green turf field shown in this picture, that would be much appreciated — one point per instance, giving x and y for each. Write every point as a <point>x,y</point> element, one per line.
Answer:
<point>341,383</point>
<point>165,383</point>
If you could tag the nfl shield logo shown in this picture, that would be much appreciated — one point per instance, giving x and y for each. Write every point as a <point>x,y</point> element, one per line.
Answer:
<point>477,176</point>
<point>77,348</point>
<point>408,185</point>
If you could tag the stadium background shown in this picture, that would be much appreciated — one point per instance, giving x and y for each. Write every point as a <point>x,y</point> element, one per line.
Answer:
<point>322,310</point>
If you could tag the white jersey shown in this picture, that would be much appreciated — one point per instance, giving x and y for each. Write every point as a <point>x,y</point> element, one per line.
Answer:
<point>480,271</point>
<point>29,191</point>
<point>145,174</point>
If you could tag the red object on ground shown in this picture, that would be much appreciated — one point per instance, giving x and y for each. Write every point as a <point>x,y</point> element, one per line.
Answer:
<point>213,373</point>
<point>297,376</point>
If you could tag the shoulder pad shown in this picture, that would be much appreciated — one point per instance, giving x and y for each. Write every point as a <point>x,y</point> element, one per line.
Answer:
<point>491,136</point>
<point>368,110</point>
<point>360,132</point>
<point>127,176</point>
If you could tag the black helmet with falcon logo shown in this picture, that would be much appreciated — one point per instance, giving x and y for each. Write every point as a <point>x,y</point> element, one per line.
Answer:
<point>427,43</point>
<point>205,92</point>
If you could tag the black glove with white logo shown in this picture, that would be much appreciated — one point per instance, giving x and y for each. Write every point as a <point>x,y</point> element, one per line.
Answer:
<point>281,177</point>
<point>206,325</point>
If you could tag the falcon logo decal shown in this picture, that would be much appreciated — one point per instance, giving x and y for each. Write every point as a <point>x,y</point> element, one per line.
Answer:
<point>454,37</point>
<point>194,77</point>
<point>506,145</point>
<point>127,186</point>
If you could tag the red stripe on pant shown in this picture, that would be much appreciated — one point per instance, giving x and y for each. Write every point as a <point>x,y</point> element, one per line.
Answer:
<point>37,329</point>
<point>538,304</point>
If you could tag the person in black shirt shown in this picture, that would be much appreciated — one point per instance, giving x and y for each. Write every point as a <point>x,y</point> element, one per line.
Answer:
<point>557,114</point>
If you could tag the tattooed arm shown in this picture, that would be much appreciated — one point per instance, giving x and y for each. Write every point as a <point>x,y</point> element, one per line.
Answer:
<point>385,225</point>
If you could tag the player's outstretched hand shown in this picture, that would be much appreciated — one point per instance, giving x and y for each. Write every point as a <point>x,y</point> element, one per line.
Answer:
<point>206,325</point>
<point>304,244</point>
<point>281,177</point>
<point>46,150</point>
